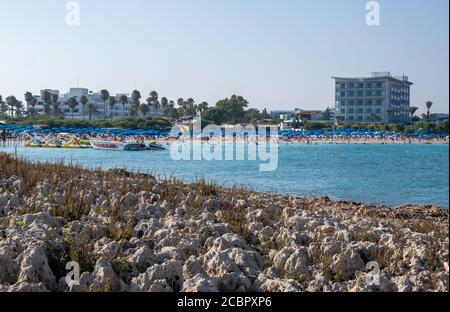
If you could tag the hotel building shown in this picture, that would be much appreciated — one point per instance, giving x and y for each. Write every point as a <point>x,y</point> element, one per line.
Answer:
<point>102,110</point>
<point>379,98</point>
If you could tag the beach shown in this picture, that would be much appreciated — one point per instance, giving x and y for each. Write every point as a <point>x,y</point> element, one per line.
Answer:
<point>134,232</point>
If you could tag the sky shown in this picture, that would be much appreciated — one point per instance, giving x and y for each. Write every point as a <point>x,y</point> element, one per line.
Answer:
<point>278,54</point>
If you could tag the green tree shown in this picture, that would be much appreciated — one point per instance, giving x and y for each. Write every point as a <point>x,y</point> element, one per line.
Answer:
<point>112,102</point>
<point>11,101</point>
<point>104,94</point>
<point>231,109</point>
<point>144,109</point>
<point>73,103</point>
<point>83,100</point>
<point>164,104</point>
<point>29,99</point>
<point>3,106</point>
<point>203,106</point>
<point>327,113</point>
<point>47,99</point>
<point>55,104</point>
<point>428,104</point>
<point>32,108</point>
<point>136,98</point>
<point>91,109</point>
<point>390,113</point>
<point>412,112</point>
<point>124,101</point>
<point>133,111</point>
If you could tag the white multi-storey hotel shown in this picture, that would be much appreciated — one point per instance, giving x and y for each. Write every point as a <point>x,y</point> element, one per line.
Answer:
<point>378,98</point>
<point>118,111</point>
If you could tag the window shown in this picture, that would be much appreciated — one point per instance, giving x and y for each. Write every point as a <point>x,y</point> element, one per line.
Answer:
<point>360,86</point>
<point>359,103</point>
<point>369,111</point>
<point>369,102</point>
<point>351,110</point>
<point>369,85</point>
<point>360,93</point>
<point>369,93</point>
<point>359,110</point>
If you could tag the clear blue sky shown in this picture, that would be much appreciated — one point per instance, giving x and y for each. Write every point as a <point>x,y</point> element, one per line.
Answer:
<point>277,54</point>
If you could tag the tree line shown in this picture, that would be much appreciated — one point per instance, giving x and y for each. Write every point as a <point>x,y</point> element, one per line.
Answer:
<point>229,110</point>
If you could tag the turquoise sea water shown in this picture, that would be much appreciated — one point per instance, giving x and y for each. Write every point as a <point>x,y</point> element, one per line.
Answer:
<point>372,173</point>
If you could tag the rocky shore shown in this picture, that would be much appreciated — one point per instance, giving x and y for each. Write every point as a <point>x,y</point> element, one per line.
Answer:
<point>132,232</point>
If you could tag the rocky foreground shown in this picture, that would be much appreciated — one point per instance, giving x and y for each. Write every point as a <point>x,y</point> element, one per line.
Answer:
<point>131,232</point>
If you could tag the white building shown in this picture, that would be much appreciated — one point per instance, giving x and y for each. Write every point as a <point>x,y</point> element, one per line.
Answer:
<point>102,110</point>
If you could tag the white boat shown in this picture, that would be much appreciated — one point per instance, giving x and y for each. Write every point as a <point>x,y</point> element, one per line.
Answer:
<point>118,146</point>
<point>154,146</point>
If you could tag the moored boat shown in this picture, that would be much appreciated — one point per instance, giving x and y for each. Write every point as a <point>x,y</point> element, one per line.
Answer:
<point>33,143</point>
<point>155,146</point>
<point>118,146</point>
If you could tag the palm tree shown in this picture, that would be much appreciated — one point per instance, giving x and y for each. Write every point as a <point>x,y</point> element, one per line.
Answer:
<point>111,101</point>
<point>132,111</point>
<point>83,100</point>
<point>164,104</point>
<point>33,104</point>
<point>326,113</point>
<point>19,108</point>
<point>390,113</point>
<point>144,109</point>
<point>152,100</point>
<point>124,101</point>
<point>91,109</point>
<point>3,106</point>
<point>28,99</point>
<point>55,104</point>
<point>47,98</point>
<point>104,94</point>
<point>73,103</point>
<point>412,111</point>
<point>428,104</point>
<point>136,98</point>
<point>11,102</point>
<point>203,106</point>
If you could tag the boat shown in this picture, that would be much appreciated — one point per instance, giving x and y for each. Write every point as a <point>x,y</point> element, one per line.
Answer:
<point>118,146</point>
<point>33,143</point>
<point>85,144</point>
<point>154,146</point>
<point>53,143</point>
<point>73,143</point>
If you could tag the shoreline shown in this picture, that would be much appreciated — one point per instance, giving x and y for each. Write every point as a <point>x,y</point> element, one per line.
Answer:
<point>132,232</point>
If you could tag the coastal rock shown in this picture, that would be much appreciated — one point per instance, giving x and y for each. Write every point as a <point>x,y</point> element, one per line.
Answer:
<point>296,265</point>
<point>104,277</point>
<point>9,268</point>
<point>346,264</point>
<point>143,258</point>
<point>192,267</point>
<point>34,268</point>
<point>199,283</point>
